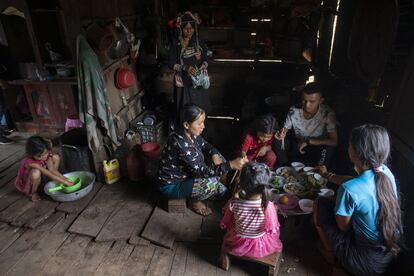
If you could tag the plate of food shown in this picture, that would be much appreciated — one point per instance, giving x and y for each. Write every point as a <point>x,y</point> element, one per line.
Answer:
<point>294,188</point>
<point>315,181</point>
<point>295,179</point>
<point>285,171</point>
<point>286,201</point>
<point>277,181</point>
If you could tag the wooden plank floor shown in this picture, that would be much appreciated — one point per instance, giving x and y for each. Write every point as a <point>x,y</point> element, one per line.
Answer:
<point>103,234</point>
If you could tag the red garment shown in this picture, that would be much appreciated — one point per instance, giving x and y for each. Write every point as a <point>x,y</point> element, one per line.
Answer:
<point>251,231</point>
<point>251,146</point>
<point>23,182</point>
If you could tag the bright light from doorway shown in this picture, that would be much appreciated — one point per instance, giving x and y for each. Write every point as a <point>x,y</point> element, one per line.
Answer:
<point>333,33</point>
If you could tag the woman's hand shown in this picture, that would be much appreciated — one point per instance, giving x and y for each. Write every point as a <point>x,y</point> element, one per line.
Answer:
<point>322,170</point>
<point>216,159</point>
<point>191,70</point>
<point>238,163</point>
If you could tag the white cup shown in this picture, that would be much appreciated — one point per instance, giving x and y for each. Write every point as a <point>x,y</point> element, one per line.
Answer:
<point>326,192</point>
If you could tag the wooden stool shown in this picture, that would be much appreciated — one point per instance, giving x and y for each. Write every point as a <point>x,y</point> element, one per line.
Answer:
<point>177,206</point>
<point>272,261</point>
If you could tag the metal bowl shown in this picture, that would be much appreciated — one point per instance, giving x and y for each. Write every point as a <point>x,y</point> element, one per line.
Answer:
<point>87,178</point>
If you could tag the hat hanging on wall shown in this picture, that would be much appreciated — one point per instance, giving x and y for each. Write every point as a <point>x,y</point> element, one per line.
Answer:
<point>124,78</point>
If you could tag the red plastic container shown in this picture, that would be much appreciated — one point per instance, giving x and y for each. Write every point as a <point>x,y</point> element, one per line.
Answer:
<point>151,149</point>
<point>124,78</point>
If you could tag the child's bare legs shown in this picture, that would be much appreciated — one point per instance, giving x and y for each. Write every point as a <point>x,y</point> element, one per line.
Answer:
<point>36,179</point>
<point>53,165</point>
<point>56,161</point>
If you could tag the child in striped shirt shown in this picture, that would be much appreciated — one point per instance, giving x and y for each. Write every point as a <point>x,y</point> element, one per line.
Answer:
<point>250,218</point>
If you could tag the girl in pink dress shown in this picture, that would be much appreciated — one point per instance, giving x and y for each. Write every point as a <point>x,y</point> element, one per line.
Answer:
<point>37,167</point>
<point>250,218</point>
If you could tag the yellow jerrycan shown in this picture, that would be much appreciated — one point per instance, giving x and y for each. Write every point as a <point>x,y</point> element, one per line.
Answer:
<point>111,171</point>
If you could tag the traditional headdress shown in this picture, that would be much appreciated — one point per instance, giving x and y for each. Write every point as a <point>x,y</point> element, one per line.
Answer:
<point>182,19</point>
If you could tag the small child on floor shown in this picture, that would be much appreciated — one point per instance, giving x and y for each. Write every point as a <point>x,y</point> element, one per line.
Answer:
<point>250,218</point>
<point>257,143</point>
<point>37,167</point>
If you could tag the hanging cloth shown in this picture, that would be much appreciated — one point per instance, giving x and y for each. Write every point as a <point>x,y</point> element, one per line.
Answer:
<point>94,109</point>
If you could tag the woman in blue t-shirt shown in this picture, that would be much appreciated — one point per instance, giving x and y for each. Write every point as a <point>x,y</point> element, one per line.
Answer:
<point>364,231</point>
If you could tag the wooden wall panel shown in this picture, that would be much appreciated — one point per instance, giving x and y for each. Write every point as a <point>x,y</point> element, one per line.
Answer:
<point>128,7</point>
<point>107,9</point>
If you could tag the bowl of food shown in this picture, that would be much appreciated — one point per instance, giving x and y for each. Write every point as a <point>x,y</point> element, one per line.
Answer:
<point>276,181</point>
<point>315,181</point>
<point>306,205</point>
<point>297,166</point>
<point>294,188</point>
<point>286,201</point>
<point>285,171</point>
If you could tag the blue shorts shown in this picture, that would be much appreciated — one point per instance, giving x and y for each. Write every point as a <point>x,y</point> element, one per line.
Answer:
<point>183,189</point>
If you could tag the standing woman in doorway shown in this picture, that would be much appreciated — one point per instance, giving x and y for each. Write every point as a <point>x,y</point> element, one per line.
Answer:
<point>363,230</point>
<point>188,58</point>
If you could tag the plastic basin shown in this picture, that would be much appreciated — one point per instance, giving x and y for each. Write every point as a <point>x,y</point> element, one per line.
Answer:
<point>87,182</point>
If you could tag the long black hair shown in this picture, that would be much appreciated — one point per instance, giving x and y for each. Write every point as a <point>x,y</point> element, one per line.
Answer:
<point>36,145</point>
<point>265,123</point>
<point>189,113</point>
<point>254,179</point>
<point>371,144</point>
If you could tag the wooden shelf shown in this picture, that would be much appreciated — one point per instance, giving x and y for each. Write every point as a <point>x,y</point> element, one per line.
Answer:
<point>71,81</point>
<point>226,28</point>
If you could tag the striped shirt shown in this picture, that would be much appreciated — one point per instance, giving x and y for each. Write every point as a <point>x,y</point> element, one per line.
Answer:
<point>249,217</point>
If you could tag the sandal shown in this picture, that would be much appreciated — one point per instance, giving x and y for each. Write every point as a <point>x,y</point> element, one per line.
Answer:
<point>200,208</point>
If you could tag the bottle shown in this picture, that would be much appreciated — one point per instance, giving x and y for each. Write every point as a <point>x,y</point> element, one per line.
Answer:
<point>111,171</point>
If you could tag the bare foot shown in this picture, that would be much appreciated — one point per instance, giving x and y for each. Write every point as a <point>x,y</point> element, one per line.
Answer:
<point>36,197</point>
<point>200,208</point>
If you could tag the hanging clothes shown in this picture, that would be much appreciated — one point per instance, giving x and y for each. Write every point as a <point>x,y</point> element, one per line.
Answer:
<point>94,109</point>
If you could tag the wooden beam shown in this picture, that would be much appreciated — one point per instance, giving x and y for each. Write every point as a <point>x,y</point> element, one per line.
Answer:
<point>32,34</point>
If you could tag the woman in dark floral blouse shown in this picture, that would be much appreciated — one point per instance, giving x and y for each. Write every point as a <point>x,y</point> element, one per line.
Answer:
<point>184,172</point>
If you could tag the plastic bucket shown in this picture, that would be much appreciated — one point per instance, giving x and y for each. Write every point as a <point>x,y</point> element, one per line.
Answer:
<point>151,149</point>
<point>76,155</point>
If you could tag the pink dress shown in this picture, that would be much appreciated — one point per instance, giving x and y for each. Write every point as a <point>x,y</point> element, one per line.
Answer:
<point>250,230</point>
<point>23,182</point>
